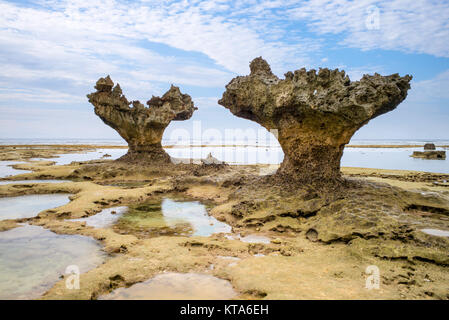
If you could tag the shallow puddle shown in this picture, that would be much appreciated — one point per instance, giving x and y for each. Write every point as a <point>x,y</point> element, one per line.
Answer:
<point>176,286</point>
<point>6,169</point>
<point>436,232</point>
<point>252,238</point>
<point>32,259</point>
<point>30,205</point>
<point>104,219</point>
<point>31,181</point>
<point>169,217</point>
<point>67,158</point>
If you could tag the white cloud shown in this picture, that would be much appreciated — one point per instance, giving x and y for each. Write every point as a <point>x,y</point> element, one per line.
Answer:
<point>41,95</point>
<point>75,41</point>
<point>53,51</point>
<point>420,26</point>
<point>435,89</point>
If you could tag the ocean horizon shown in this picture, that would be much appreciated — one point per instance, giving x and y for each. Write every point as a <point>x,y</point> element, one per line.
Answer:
<point>193,142</point>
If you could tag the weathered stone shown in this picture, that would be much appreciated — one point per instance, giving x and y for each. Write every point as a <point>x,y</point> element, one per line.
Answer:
<point>315,114</point>
<point>142,127</point>
<point>211,160</point>
<point>432,155</point>
<point>429,146</point>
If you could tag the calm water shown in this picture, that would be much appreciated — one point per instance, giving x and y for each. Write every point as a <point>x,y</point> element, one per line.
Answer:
<point>252,238</point>
<point>436,232</point>
<point>68,158</point>
<point>170,217</point>
<point>381,158</point>
<point>104,219</point>
<point>176,286</point>
<point>386,158</point>
<point>32,259</point>
<point>6,169</point>
<point>30,205</point>
<point>31,181</point>
<point>194,213</point>
<point>193,141</point>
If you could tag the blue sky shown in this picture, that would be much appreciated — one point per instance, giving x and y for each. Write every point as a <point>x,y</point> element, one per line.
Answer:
<point>52,52</point>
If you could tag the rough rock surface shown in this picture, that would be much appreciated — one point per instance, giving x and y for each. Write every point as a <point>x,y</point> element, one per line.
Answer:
<point>142,127</point>
<point>315,113</point>
<point>211,160</point>
<point>437,155</point>
<point>429,146</point>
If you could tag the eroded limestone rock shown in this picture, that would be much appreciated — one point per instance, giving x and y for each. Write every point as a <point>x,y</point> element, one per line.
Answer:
<point>315,113</point>
<point>437,155</point>
<point>142,127</point>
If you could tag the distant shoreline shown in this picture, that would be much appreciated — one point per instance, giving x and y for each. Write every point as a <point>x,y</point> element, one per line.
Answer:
<point>91,146</point>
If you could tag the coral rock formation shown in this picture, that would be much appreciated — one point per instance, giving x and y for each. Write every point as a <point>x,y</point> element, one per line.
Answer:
<point>142,127</point>
<point>315,114</point>
<point>429,146</point>
<point>434,155</point>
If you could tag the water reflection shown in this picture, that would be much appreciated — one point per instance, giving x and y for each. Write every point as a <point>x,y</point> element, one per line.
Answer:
<point>380,158</point>
<point>169,217</point>
<point>32,259</point>
<point>67,158</point>
<point>30,205</point>
<point>104,219</point>
<point>436,232</point>
<point>6,169</point>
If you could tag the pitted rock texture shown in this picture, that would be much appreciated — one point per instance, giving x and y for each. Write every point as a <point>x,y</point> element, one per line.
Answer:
<point>438,155</point>
<point>429,146</point>
<point>315,113</point>
<point>142,127</point>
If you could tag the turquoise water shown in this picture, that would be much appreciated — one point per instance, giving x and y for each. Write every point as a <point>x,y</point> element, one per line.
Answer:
<point>32,259</point>
<point>30,205</point>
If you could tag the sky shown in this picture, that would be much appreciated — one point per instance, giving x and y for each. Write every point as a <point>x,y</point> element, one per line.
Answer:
<point>52,53</point>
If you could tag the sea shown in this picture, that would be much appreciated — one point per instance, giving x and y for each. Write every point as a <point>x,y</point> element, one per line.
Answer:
<point>255,152</point>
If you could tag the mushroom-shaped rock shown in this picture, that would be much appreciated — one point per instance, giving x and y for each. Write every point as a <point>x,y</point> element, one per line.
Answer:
<point>142,127</point>
<point>315,113</point>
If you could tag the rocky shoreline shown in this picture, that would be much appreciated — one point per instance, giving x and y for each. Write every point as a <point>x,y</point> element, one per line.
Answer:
<point>321,240</point>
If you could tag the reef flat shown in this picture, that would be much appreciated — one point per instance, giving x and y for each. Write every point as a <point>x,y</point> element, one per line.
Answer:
<point>321,240</point>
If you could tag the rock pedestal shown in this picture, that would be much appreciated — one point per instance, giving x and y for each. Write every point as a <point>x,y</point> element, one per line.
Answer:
<point>142,127</point>
<point>315,113</point>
